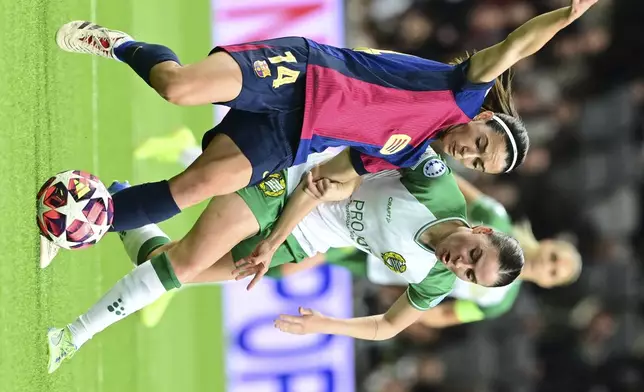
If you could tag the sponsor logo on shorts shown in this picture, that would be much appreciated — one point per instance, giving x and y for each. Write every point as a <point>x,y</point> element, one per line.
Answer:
<point>395,262</point>
<point>390,201</point>
<point>273,186</point>
<point>434,168</point>
<point>395,144</point>
<point>261,69</point>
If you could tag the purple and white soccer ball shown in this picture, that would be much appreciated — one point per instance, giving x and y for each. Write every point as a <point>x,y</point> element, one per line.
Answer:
<point>75,210</point>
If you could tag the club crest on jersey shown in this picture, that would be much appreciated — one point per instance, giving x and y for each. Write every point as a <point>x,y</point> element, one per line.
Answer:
<point>273,186</point>
<point>261,69</point>
<point>395,144</point>
<point>395,262</point>
<point>434,168</point>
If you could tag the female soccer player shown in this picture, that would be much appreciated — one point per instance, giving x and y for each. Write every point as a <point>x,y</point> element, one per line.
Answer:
<point>548,263</point>
<point>413,221</point>
<point>294,96</point>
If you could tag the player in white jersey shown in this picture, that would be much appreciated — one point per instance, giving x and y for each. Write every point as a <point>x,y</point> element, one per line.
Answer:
<point>414,220</point>
<point>548,263</point>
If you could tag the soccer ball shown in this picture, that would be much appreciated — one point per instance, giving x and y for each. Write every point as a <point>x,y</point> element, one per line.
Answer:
<point>74,209</point>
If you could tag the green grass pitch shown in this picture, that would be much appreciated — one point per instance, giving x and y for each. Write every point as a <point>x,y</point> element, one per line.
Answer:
<point>63,111</point>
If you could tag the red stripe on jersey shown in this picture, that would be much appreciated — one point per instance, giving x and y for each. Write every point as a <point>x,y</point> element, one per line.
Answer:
<point>375,165</point>
<point>345,108</point>
<point>243,47</point>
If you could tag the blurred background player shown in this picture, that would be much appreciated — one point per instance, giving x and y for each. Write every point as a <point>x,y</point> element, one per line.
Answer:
<point>277,127</point>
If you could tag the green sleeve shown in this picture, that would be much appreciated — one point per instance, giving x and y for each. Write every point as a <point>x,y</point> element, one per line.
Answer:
<point>431,290</point>
<point>490,212</point>
<point>432,183</point>
<point>505,305</point>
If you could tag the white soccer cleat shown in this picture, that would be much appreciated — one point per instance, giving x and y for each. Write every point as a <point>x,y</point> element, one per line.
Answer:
<point>86,37</point>
<point>48,250</point>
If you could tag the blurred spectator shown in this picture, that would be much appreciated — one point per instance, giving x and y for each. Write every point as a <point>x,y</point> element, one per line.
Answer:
<point>582,99</point>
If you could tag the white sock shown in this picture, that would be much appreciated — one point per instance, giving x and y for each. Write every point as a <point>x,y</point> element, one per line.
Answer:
<point>135,291</point>
<point>189,155</point>
<point>140,242</point>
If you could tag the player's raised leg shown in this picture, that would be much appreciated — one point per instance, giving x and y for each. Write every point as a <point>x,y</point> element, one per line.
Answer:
<point>217,78</point>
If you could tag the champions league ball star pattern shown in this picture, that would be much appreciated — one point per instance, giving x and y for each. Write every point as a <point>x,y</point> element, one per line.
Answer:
<point>75,209</point>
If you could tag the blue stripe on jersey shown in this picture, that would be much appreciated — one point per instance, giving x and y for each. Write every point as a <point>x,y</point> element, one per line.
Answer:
<point>407,157</point>
<point>393,70</point>
<point>319,143</point>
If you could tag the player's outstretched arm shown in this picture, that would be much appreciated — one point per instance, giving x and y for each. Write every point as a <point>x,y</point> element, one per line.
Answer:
<point>308,195</point>
<point>488,64</point>
<point>379,327</point>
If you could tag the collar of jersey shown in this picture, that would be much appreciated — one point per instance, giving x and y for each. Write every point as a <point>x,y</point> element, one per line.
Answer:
<point>430,224</point>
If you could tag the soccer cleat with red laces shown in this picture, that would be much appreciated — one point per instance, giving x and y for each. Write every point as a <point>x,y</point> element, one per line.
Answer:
<point>86,37</point>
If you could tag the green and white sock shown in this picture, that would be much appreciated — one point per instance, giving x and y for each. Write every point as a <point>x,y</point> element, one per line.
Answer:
<point>140,242</point>
<point>138,289</point>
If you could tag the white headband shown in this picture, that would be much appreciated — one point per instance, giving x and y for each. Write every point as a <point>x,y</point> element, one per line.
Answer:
<point>512,142</point>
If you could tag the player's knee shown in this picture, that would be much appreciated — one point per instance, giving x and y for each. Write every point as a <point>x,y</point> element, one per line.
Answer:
<point>175,94</point>
<point>173,87</point>
<point>184,265</point>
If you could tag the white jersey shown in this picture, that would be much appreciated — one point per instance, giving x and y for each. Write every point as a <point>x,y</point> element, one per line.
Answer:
<point>385,217</point>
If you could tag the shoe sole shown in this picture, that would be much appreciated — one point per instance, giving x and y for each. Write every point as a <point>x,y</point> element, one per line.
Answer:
<point>45,260</point>
<point>64,30</point>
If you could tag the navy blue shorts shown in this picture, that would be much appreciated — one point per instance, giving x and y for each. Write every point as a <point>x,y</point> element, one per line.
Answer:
<point>273,74</point>
<point>268,140</point>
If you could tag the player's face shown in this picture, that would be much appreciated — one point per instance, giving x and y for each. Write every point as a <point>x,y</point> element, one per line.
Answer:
<point>471,256</point>
<point>477,146</point>
<point>554,265</point>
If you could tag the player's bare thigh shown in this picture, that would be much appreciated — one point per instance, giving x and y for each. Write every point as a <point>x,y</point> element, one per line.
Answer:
<point>217,78</point>
<point>220,271</point>
<point>224,223</point>
<point>220,170</point>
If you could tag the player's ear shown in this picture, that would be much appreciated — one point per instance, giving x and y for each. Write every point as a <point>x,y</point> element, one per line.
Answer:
<point>482,230</point>
<point>484,116</point>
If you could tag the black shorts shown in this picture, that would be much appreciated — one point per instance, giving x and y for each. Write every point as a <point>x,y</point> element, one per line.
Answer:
<point>268,140</point>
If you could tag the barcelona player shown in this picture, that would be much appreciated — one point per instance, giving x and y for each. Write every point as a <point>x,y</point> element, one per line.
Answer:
<point>292,97</point>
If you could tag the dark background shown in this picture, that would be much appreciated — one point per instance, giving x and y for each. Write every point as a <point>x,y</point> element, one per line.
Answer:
<point>582,98</point>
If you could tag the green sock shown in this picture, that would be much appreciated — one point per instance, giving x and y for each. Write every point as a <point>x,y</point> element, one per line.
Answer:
<point>165,272</point>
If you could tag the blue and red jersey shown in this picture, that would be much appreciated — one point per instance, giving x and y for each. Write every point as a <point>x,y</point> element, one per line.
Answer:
<point>362,100</point>
<point>388,107</point>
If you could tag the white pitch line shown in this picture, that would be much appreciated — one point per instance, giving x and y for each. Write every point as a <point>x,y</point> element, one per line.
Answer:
<point>95,167</point>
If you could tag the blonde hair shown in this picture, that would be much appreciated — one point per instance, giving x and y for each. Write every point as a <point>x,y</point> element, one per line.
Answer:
<point>522,232</point>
